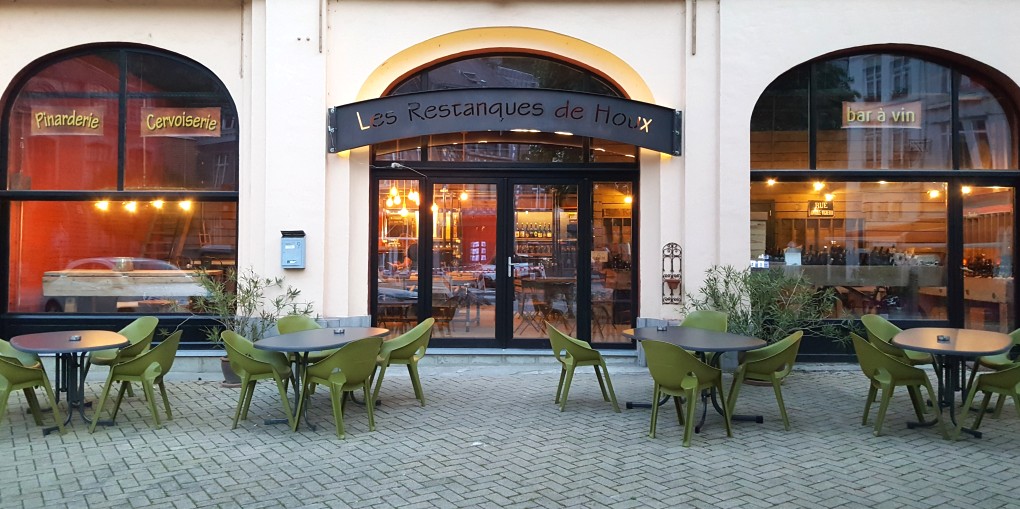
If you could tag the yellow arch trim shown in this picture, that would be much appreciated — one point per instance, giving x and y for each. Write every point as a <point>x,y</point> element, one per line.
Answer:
<point>495,39</point>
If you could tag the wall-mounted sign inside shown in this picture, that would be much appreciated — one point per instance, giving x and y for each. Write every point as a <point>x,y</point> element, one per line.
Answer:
<point>67,120</point>
<point>820,209</point>
<point>181,122</point>
<point>906,115</point>
<point>507,109</point>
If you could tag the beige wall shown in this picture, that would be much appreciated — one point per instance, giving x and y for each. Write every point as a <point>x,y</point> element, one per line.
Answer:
<point>285,62</point>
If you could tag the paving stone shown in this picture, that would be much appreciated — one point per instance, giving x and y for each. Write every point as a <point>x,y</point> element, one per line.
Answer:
<point>493,437</point>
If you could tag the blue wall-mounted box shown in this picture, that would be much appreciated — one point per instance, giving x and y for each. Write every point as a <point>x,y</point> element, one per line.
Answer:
<point>292,249</point>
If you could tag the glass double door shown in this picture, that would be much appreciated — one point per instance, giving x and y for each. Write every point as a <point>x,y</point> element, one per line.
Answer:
<point>494,260</point>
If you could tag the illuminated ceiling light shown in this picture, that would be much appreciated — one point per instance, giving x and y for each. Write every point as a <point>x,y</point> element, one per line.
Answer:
<point>564,133</point>
<point>518,130</point>
<point>629,155</point>
<point>396,200</point>
<point>131,206</point>
<point>185,205</point>
<point>882,182</point>
<point>829,196</point>
<point>157,204</point>
<point>770,182</point>
<point>393,190</point>
<point>819,186</point>
<point>103,205</point>
<point>934,193</point>
<point>414,196</point>
<point>463,195</point>
<point>628,199</point>
<point>599,149</point>
<point>403,212</point>
<point>435,208</point>
<point>965,189</point>
<point>483,141</point>
<point>389,201</point>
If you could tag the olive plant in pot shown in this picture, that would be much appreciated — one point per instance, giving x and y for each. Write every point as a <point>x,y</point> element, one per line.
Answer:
<point>770,304</point>
<point>246,303</point>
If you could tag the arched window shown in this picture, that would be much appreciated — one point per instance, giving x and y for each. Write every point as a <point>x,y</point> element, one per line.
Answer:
<point>121,168</point>
<point>890,177</point>
<point>523,147</point>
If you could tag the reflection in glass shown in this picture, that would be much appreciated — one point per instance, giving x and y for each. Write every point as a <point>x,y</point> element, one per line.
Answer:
<point>882,246</point>
<point>399,215</point>
<point>545,259</point>
<point>612,298</point>
<point>988,258</point>
<point>116,256</point>
<point>463,248</point>
<point>985,128</point>
<point>779,123</point>
<point>879,111</point>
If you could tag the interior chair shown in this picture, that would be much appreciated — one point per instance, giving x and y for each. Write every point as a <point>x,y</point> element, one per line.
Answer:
<point>14,376</point>
<point>27,359</point>
<point>407,348</point>
<point>147,369</point>
<point>886,373</point>
<point>771,363</point>
<point>253,365</point>
<point>444,311</point>
<point>997,362</point>
<point>139,334</point>
<point>678,373</point>
<point>571,353</point>
<point>298,323</point>
<point>706,319</point>
<point>349,368</point>
<point>1005,383</point>
<point>881,329</point>
<point>526,310</point>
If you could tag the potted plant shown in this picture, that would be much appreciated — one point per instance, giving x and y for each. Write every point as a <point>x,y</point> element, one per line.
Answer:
<point>769,304</point>
<point>247,304</point>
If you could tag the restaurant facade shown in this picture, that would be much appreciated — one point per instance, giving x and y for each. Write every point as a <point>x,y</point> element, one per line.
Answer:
<point>582,165</point>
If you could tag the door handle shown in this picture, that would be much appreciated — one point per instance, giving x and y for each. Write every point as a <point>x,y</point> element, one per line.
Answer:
<point>509,266</point>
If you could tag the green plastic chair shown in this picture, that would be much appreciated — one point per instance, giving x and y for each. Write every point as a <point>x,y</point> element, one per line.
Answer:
<point>997,362</point>
<point>351,367</point>
<point>706,319</point>
<point>678,373</point>
<point>1005,383</point>
<point>298,323</point>
<point>139,335</point>
<point>252,367</point>
<point>147,369</point>
<point>768,364</point>
<point>886,373</point>
<point>571,353</point>
<point>15,376</point>
<point>880,329</point>
<point>407,348</point>
<point>27,359</point>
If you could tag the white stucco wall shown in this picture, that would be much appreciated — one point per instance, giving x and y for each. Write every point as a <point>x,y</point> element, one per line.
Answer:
<point>284,65</point>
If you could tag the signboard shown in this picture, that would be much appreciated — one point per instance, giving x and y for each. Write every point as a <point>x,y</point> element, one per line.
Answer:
<point>820,209</point>
<point>67,120</point>
<point>504,109</point>
<point>905,115</point>
<point>181,122</point>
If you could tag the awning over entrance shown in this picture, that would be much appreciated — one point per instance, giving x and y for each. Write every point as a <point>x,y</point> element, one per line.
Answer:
<point>504,109</point>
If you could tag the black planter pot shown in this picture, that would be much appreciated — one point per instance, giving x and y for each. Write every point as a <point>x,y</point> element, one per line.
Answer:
<point>230,379</point>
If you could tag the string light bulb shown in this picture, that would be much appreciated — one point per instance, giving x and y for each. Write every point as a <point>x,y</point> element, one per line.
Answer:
<point>157,204</point>
<point>819,186</point>
<point>185,205</point>
<point>131,206</point>
<point>103,205</point>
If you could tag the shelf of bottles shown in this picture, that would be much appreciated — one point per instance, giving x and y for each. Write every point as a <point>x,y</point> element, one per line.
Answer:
<point>446,238</point>
<point>543,239</point>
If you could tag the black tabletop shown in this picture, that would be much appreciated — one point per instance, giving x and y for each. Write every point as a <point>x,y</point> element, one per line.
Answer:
<point>962,342</point>
<point>318,339</point>
<point>61,341</point>
<point>698,340</point>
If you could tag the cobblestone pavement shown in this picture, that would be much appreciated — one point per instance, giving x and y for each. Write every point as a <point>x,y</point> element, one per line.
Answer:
<point>492,437</point>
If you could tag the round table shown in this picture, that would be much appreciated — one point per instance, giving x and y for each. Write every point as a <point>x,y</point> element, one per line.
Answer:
<point>950,348</point>
<point>301,343</point>
<point>70,348</point>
